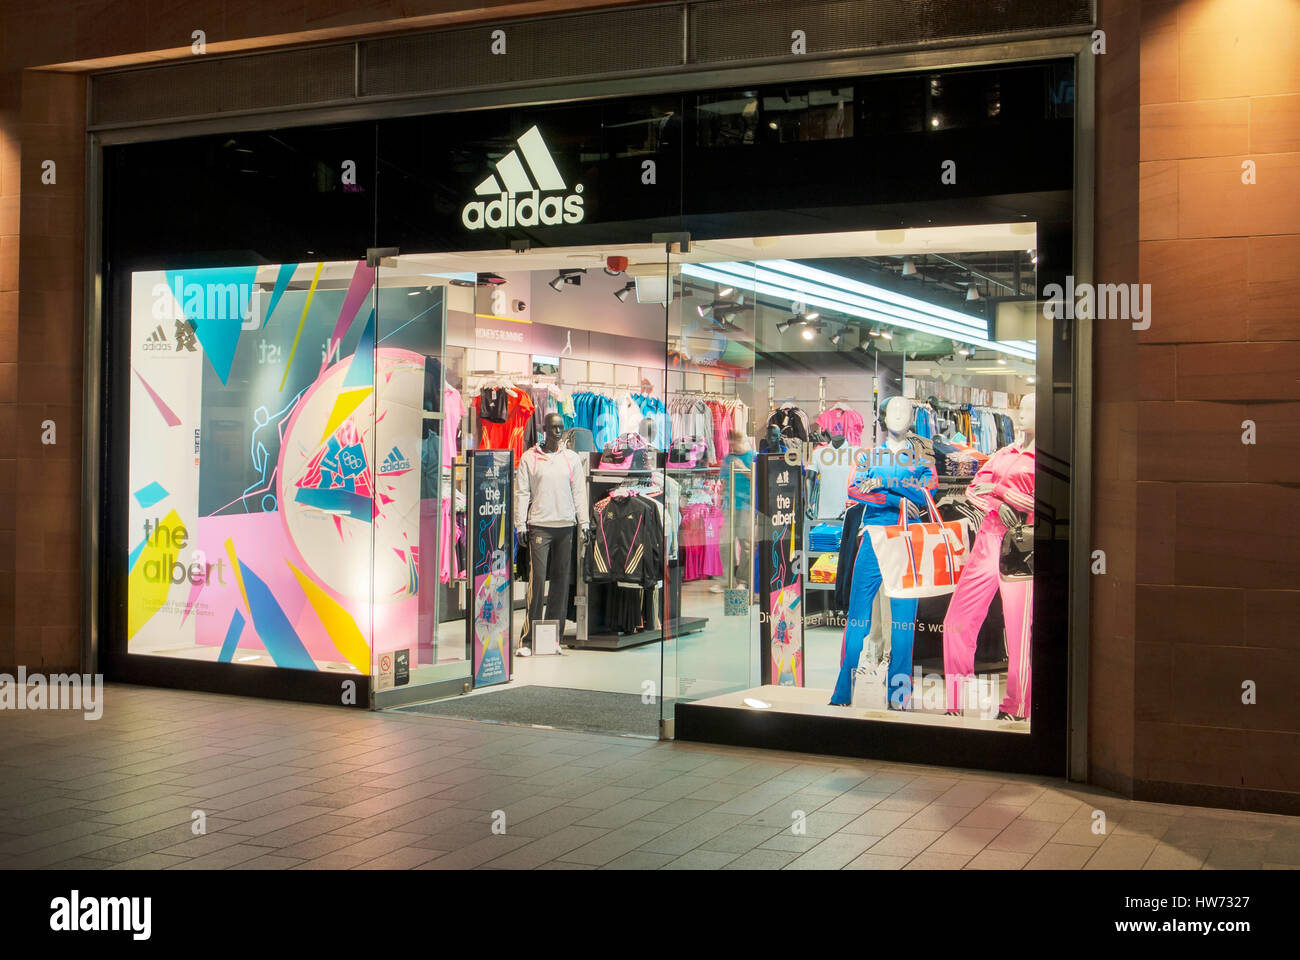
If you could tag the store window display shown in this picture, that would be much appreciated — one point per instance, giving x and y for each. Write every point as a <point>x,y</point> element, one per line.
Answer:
<point>896,474</point>
<point>1003,489</point>
<point>550,501</point>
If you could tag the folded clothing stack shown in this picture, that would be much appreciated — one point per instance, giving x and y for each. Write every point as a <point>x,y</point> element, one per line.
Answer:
<point>825,536</point>
<point>824,570</point>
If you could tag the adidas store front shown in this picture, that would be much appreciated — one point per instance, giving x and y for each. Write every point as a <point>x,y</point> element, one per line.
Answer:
<point>729,415</point>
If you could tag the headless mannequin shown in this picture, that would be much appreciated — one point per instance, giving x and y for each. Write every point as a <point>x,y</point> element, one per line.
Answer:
<point>979,582</point>
<point>1025,418</point>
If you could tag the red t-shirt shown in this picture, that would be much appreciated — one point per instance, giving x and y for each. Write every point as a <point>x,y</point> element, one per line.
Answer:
<point>509,435</point>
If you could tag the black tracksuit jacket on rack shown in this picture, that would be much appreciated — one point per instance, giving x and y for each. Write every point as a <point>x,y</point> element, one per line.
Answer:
<point>627,542</point>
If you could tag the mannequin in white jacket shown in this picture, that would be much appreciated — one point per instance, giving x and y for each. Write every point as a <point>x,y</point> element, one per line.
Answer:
<point>550,500</point>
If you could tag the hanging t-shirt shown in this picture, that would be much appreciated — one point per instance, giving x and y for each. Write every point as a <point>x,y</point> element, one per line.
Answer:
<point>629,416</point>
<point>510,434</point>
<point>494,404</point>
<point>834,467</point>
<point>453,409</point>
<point>842,421</point>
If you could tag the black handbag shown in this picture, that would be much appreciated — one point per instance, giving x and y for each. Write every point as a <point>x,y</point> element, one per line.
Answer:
<point>1016,561</point>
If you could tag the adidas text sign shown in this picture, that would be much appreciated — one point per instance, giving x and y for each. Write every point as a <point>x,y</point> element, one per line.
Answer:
<point>519,201</point>
<point>157,341</point>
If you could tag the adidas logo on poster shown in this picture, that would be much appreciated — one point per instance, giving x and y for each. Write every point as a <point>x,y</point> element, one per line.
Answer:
<point>519,201</point>
<point>157,340</point>
<point>394,463</point>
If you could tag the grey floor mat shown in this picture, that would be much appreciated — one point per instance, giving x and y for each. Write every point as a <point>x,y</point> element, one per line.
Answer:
<point>561,707</point>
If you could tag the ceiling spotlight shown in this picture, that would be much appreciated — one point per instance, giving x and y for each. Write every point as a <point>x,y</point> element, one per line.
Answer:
<point>972,293</point>
<point>1002,360</point>
<point>626,291</point>
<point>811,316</point>
<point>809,333</point>
<point>783,325</point>
<point>573,276</point>
<point>887,335</point>
<point>1032,380</point>
<point>699,308</point>
<point>838,336</point>
<point>874,332</point>
<point>909,267</point>
<point>934,121</point>
<point>725,292</point>
<point>963,351</point>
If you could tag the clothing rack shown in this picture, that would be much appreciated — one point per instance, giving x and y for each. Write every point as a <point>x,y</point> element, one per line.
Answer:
<point>672,626</point>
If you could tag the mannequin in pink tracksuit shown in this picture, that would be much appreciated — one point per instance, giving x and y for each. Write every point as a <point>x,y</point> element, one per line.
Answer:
<point>1004,489</point>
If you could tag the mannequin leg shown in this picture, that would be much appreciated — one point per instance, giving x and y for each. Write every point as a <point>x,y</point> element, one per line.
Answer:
<point>866,583</point>
<point>557,571</point>
<point>539,546</point>
<point>1018,611</point>
<point>902,632</point>
<point>968,608</point>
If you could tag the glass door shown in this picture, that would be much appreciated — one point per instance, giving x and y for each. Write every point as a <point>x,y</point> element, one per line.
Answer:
<point>420,649</point>
<point>711,336</point>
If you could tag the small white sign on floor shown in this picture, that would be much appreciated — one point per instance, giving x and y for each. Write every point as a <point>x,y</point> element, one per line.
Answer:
<point>546,638</point>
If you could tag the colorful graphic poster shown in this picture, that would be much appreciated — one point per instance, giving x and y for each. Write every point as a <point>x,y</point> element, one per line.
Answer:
<point>780,509</point>
<point>275,465</point>
<point>491,544</point>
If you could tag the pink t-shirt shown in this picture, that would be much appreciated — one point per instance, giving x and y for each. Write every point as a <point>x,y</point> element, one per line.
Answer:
<point>453,409</point>
<point>842,420</point>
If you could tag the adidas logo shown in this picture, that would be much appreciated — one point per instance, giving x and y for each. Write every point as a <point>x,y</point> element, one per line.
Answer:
<point>519,201</point>
<point>394,463</point>
<point>157,340</point>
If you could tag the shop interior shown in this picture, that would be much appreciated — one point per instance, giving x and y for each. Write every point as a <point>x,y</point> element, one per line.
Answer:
<point>668,372</point>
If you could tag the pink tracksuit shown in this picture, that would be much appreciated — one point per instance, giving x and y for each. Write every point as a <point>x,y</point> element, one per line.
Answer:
<point>1011,473</point>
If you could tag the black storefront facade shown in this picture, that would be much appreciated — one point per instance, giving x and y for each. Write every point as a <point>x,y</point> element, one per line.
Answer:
<point>917,146</point>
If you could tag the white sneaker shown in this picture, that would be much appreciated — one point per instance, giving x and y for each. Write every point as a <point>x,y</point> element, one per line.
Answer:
<point>523,652</point>
<point>740,586</point>
<point>716,588</point>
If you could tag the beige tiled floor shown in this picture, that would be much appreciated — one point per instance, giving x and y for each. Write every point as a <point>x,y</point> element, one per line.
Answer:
<point>291,786</point>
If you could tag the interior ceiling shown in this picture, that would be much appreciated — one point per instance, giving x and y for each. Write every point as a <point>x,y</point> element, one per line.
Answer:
<point>868,245</point>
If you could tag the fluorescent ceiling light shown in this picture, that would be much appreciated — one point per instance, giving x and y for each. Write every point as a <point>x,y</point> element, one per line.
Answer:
<point>815,287</point>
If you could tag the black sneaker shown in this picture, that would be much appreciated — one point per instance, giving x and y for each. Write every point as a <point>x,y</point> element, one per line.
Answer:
<point>1003,715</point>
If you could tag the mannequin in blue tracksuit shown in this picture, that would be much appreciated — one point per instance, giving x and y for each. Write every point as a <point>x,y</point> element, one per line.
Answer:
<point>884,477</point>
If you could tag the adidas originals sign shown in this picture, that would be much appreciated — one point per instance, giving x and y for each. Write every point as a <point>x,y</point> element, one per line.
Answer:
<point>519,201</point>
